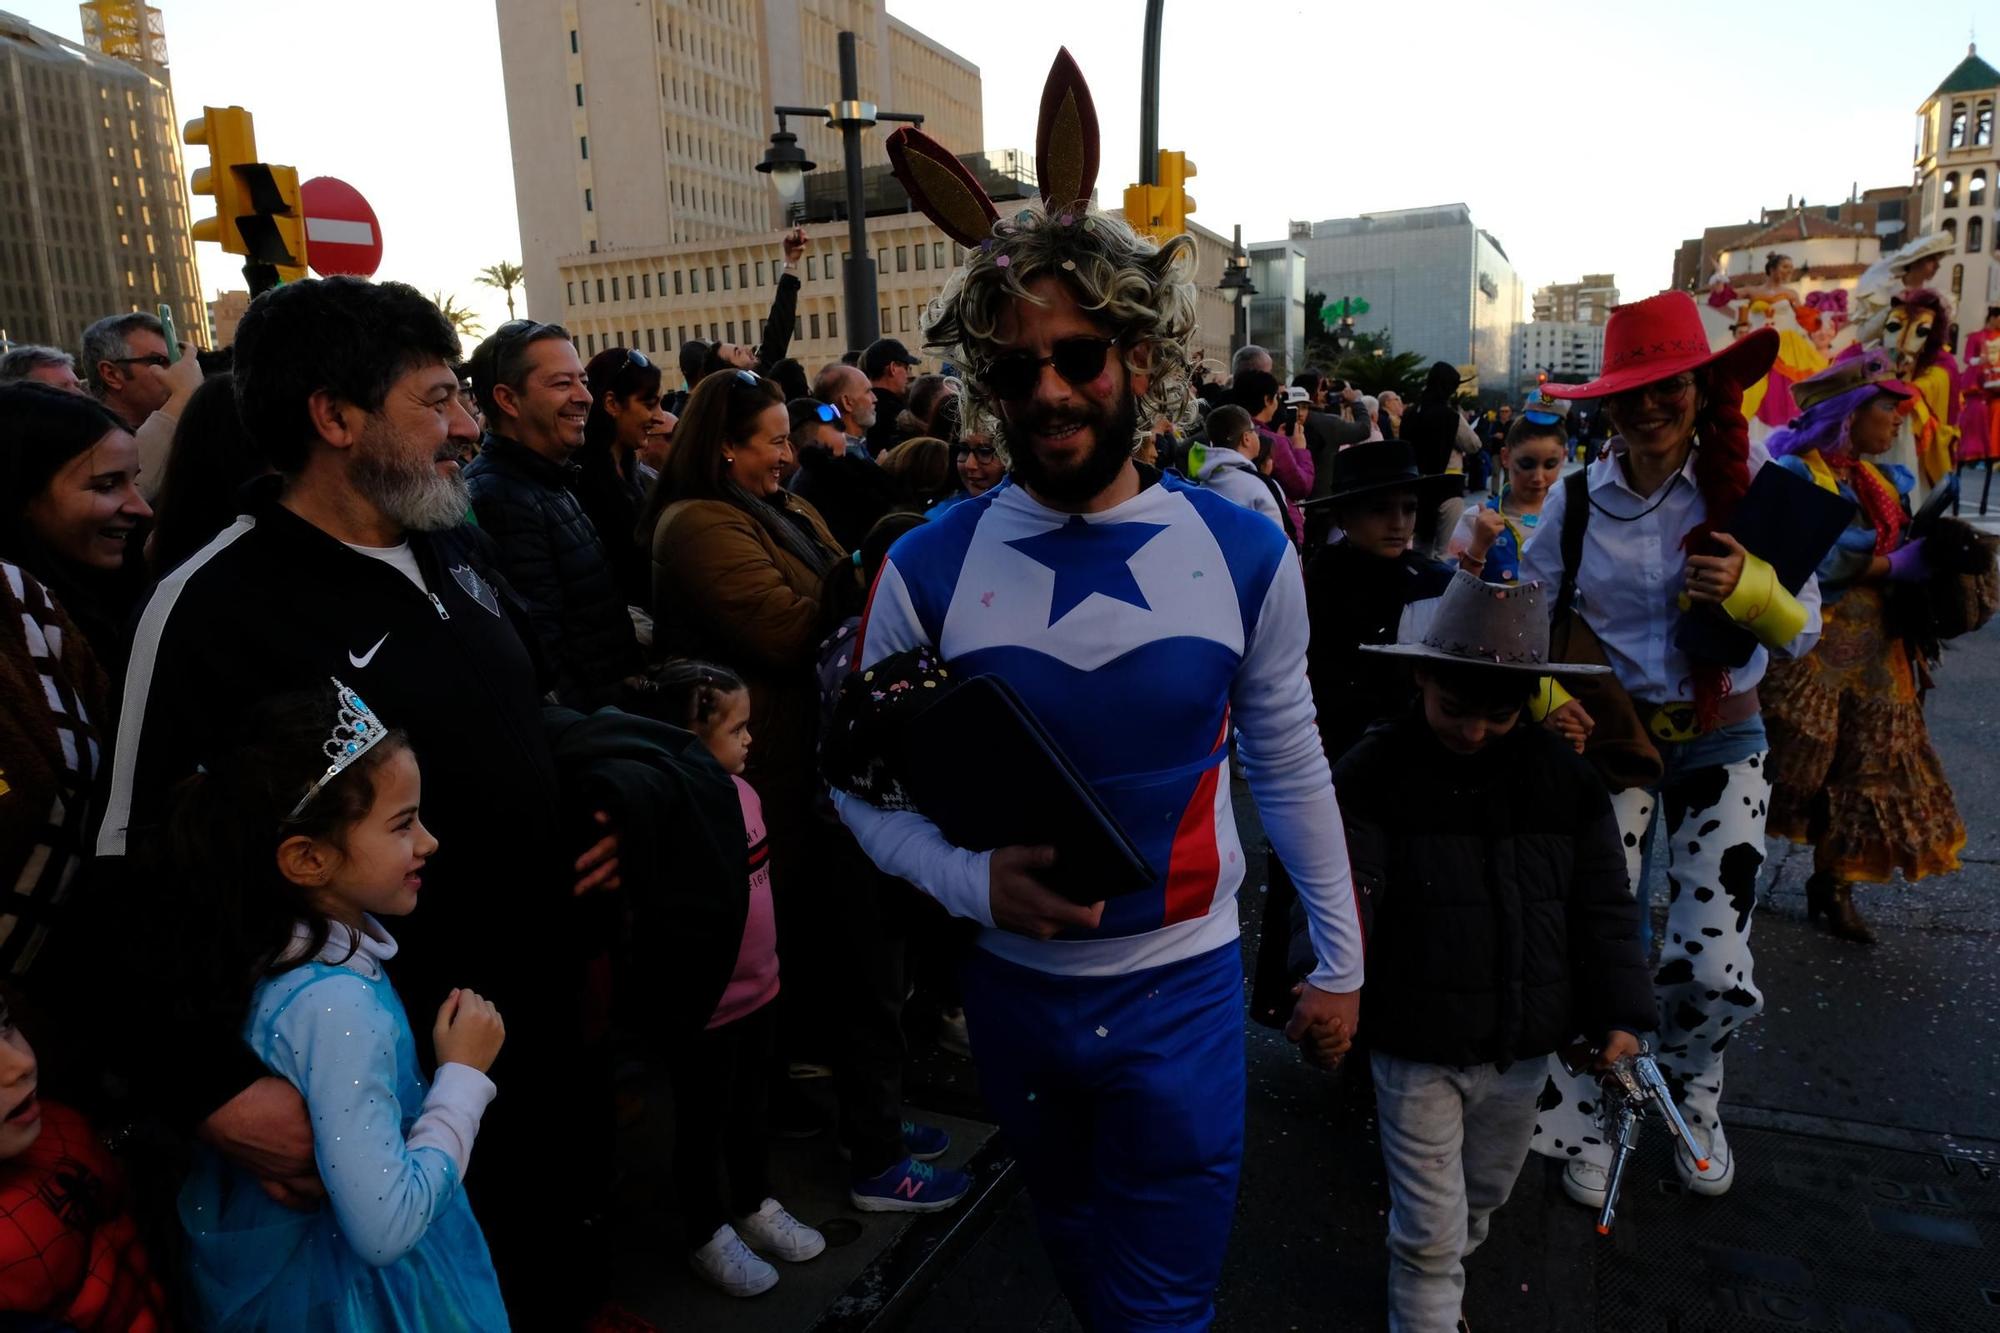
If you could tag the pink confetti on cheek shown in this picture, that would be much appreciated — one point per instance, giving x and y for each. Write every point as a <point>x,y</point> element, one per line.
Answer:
<point>986,599</point>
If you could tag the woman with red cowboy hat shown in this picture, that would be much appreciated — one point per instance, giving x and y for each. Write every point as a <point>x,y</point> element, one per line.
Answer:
<point>1657,509</point>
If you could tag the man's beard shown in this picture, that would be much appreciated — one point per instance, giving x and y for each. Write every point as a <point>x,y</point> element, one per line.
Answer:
<point>1112,434</point>
<point>406,489</point>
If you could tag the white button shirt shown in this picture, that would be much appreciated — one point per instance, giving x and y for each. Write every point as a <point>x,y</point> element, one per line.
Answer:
<point>1632,574</point>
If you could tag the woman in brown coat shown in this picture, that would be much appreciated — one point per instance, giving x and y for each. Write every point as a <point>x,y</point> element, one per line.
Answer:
<point>737,567</point>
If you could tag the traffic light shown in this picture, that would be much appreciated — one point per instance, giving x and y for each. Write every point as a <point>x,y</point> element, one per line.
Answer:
<point>1177,203</point>
<point>1143,205</point>
<point>231,139</point>
<point>257,209</point>
<point>274,228</point>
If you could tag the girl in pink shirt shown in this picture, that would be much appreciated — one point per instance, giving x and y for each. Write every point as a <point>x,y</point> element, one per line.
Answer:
<point>720,1079</point>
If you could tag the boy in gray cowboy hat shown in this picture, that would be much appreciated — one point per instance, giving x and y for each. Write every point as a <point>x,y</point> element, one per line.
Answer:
<point>1502,928</point>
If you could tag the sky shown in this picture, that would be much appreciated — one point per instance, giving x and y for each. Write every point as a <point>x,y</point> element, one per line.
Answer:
<point>1587,136</point>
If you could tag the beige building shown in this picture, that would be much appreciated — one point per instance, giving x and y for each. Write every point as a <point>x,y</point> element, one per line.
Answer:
<point>680,92</point>
<point>1958,184</point>
<point>1585,301</point>
<point>94,216</point>
<point>656,300</point>
<point>225,312</point>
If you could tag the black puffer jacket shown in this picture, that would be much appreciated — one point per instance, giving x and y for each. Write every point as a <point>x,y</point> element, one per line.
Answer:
<point>1503,925</point>
<point>850,492</point>
<point>550,553</point>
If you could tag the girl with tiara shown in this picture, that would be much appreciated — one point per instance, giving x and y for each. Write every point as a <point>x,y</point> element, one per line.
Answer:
<point>300,838</point>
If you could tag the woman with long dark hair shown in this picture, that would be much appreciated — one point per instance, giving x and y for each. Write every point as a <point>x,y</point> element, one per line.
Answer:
<point>738,563</point>
<point>70,507</point>
<point>1655,550</point>
<point>624,408</point>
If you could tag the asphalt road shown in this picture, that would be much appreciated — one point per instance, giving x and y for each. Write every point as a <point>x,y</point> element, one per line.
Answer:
<point>1864,1105</point>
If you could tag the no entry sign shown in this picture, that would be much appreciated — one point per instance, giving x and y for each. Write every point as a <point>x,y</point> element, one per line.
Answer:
<point>342,235</point>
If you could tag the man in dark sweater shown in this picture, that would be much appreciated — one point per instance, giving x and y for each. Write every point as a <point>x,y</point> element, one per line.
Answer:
<point>1504,926</point>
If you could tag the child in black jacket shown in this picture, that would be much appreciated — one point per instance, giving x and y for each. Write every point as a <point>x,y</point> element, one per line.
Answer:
<point>1503,927</point>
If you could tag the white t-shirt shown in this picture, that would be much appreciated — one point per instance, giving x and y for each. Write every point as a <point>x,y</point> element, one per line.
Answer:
<point>398,557</point>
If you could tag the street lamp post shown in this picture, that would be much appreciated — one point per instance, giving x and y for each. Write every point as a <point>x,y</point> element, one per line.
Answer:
<point>785,163</point>
<point>1236,285</point>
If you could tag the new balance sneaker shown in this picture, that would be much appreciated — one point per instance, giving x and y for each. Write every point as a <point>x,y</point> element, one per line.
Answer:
<point>727,1264</point>
<point>775,1231</point>
<point>1586,1181</point>
<point>910,1186</point>
<point>925,1143</point>
<point>1720,1173</point>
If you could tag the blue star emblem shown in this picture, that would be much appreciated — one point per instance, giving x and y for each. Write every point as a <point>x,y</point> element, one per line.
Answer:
<point>1088,558</point>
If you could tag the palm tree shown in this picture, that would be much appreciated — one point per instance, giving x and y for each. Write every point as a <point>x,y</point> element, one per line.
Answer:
<point>504,275</point>
<point>463,322</point>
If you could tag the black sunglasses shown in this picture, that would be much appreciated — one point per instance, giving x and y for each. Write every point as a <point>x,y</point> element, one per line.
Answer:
<point>1078,360</point>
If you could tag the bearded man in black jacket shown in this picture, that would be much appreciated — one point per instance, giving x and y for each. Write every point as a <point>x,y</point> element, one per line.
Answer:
<point>354,563</point>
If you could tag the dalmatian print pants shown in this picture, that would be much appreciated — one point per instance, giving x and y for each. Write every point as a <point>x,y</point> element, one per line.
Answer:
<point>1714,820</point>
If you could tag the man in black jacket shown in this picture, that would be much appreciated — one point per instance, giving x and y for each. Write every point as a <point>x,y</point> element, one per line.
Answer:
<point>353,563</point>
<point>849,491</point>
<point>531,388</point>
<point>886,363</point>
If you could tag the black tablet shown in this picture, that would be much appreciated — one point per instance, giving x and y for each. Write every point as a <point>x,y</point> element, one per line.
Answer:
<point>982,768</point>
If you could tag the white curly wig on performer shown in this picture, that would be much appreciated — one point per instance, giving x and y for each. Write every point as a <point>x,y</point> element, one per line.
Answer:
<point>1144,294</point>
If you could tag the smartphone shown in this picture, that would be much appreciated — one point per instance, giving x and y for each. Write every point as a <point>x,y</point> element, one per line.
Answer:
<point>167,331</point>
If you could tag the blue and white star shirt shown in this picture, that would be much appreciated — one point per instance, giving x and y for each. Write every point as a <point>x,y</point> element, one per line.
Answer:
<point>1138,636</point>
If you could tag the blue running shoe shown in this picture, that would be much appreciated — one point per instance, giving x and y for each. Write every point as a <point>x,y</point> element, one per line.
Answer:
<point>910,1186</point>
<point>925,1143</point>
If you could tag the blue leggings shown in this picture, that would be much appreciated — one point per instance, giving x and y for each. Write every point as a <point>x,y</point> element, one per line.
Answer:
<point>1122,1098</point>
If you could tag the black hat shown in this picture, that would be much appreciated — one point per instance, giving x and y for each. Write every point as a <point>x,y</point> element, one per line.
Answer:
<point>1381,465</point>
<point>883,353</point>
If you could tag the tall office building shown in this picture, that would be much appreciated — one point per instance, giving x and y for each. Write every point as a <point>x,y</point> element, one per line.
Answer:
<point>679,93</point>
<point>94,219</point>
<point>1588,300</point>
<point>1435,282</point>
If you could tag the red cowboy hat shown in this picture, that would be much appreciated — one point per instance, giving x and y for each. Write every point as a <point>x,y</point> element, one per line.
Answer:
<point>1661,336</point>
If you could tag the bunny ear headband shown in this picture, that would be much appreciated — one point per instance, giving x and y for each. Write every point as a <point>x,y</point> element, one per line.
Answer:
<point>1065,162</point>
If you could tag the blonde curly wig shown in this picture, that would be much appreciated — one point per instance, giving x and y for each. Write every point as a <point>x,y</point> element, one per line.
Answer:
<point>1144,292</point>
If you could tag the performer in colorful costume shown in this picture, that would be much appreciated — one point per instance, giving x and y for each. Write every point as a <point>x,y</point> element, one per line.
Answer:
<point>1768,403</point>
<point>1143,621</point>
<point>1979,390</point>
<point>1852,768</point>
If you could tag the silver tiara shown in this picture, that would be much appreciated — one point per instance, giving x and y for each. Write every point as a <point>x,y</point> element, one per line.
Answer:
<point>356,730</point>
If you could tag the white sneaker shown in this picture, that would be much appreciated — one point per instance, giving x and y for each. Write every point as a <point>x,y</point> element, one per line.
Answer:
<point>1586,1181</point>
<point>1721,1172</point>
<point>727,1264</point>
<point>775,1231</point>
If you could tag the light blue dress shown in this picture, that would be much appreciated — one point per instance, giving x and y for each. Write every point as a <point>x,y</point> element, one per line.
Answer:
<point>395,1245</point>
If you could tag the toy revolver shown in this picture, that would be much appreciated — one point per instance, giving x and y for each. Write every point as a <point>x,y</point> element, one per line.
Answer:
<point>1628,1085</point>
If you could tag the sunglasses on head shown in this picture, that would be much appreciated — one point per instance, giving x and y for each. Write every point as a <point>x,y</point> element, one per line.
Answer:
<point>1014,376</point>
<point>828,413</point>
